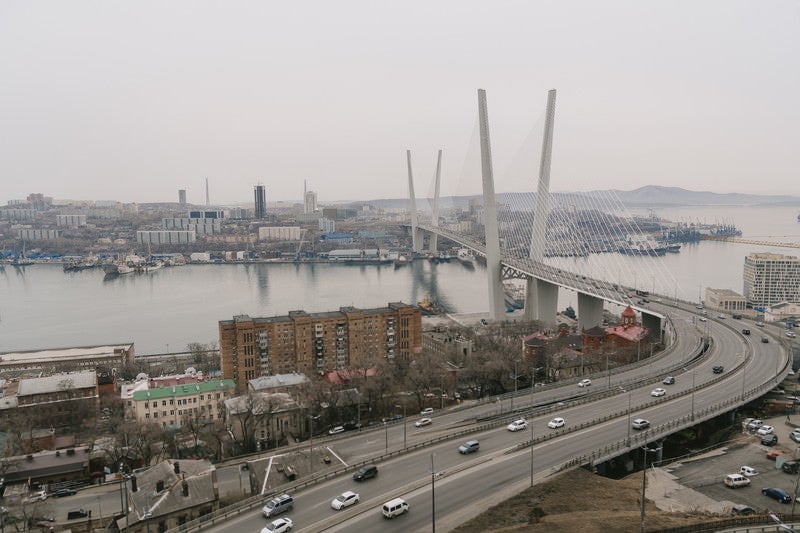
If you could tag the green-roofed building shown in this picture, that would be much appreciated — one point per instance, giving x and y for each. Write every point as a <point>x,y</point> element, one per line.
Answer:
<point>173,406</point>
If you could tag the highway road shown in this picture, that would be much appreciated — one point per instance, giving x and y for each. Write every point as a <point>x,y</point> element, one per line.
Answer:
<point>500,469</point>
<point>470,484</point>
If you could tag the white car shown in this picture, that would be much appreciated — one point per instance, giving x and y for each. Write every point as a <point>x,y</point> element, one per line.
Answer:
<point>427,411</point>
<point>336,430</point>
<point>423,422</point>
<point>584,383</point>
<point>790,334</point>
<point>795,435</point>
<point>658,392</point>
<point>556,423</point>
<point>755,424</point>
<point>517,425</point>
<point>748,471</point>
<point>345,499</point>
<point>38,496</point>
<point>281,525</point>
<point>765,430</point>
<point>702,319</point>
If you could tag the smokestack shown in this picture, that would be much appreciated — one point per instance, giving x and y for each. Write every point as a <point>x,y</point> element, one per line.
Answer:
<point>208,201</point>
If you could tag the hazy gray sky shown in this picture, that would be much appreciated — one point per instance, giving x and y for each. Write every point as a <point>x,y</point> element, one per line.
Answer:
<point>134,100</point>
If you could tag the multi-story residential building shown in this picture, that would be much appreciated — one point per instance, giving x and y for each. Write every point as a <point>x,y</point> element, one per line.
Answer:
<point>771,278</point>
<point>166,237</point>
<point>201,226</point>
<point>317,342</point>
<point>175,405</point>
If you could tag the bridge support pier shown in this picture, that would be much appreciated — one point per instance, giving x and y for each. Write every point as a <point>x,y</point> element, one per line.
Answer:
<point>590,311</point>
<point>541,301</point>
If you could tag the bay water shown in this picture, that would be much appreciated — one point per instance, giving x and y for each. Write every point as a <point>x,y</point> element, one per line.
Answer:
<point>43,307</point>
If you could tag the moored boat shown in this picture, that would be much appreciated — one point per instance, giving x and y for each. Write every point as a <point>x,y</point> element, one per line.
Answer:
<point>466,258</point>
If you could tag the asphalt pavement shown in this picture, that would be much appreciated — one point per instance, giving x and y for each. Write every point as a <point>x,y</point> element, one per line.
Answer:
<point>696,484</point>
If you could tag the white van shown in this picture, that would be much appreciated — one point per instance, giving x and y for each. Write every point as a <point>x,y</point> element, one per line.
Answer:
<point>394,507</point>
<point>736,480</point>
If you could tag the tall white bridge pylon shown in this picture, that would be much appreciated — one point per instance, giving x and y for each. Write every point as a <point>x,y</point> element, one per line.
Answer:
<point>542,281</point>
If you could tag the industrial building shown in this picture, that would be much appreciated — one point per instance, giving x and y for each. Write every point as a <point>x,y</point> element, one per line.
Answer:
<point>46,362</point>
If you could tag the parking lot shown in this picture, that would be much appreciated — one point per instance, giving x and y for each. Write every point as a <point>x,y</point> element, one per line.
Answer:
<point>705,474</point>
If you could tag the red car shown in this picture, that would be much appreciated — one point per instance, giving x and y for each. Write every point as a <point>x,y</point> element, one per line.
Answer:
<point>773,455</point>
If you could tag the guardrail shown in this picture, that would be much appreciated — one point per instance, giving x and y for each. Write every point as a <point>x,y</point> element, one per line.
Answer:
<point>598,455</point>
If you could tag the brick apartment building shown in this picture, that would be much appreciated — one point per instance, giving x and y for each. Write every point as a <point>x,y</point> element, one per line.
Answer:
<point>317,342</point>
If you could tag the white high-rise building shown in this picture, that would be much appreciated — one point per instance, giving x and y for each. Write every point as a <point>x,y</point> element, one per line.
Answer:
<point>310,202</point>
<point>771,278</point>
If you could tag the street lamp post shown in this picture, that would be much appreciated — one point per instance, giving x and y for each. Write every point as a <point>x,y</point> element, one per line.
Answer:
<point>693,376</point>
<point>433,497</point>
<point>744,375</point>
<point>386,428</point>
<point>645,449</point>
<point>531,454</point>
<point>628,440</point>
<point>404,425</point>
<point>515,386</point>
<point>311,444</point>
<point>441,393</point>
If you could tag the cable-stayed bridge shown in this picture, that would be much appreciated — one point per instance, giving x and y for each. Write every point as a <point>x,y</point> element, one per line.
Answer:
<point>520,240</point>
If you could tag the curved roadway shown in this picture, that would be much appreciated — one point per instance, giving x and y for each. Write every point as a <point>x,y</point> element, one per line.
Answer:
<point>467,485</point>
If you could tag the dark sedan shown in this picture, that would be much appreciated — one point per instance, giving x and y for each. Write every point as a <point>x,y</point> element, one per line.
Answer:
<point>65,492</point>
<point>777,494</point>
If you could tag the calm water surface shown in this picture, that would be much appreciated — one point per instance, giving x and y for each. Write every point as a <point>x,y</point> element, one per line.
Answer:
<point>43,307</point>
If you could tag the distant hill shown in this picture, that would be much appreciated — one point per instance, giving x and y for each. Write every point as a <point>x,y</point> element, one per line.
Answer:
<point>656,195</point>
<point>646,196</point>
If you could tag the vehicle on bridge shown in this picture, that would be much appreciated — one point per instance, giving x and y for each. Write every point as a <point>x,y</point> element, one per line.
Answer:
<point>345,499</point>
<point>517,425</point>
<point>718,369</point>
<point>556,423</point>
<point>657,392</point>
<point>469,447</point>
<point>394,508</point>
<point>584,383</point>
<point>640,423</point>
<point>281,525</point>
<point>423,422</point>
<point>669,380</point>
<point>365,472</point>
<point>279,504</point>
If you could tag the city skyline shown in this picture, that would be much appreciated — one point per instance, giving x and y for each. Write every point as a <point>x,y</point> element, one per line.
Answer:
<point>133,102</point>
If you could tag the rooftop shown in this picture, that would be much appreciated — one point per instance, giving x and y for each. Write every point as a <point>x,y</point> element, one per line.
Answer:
<point>57,383</point>
<point>184,390</point>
